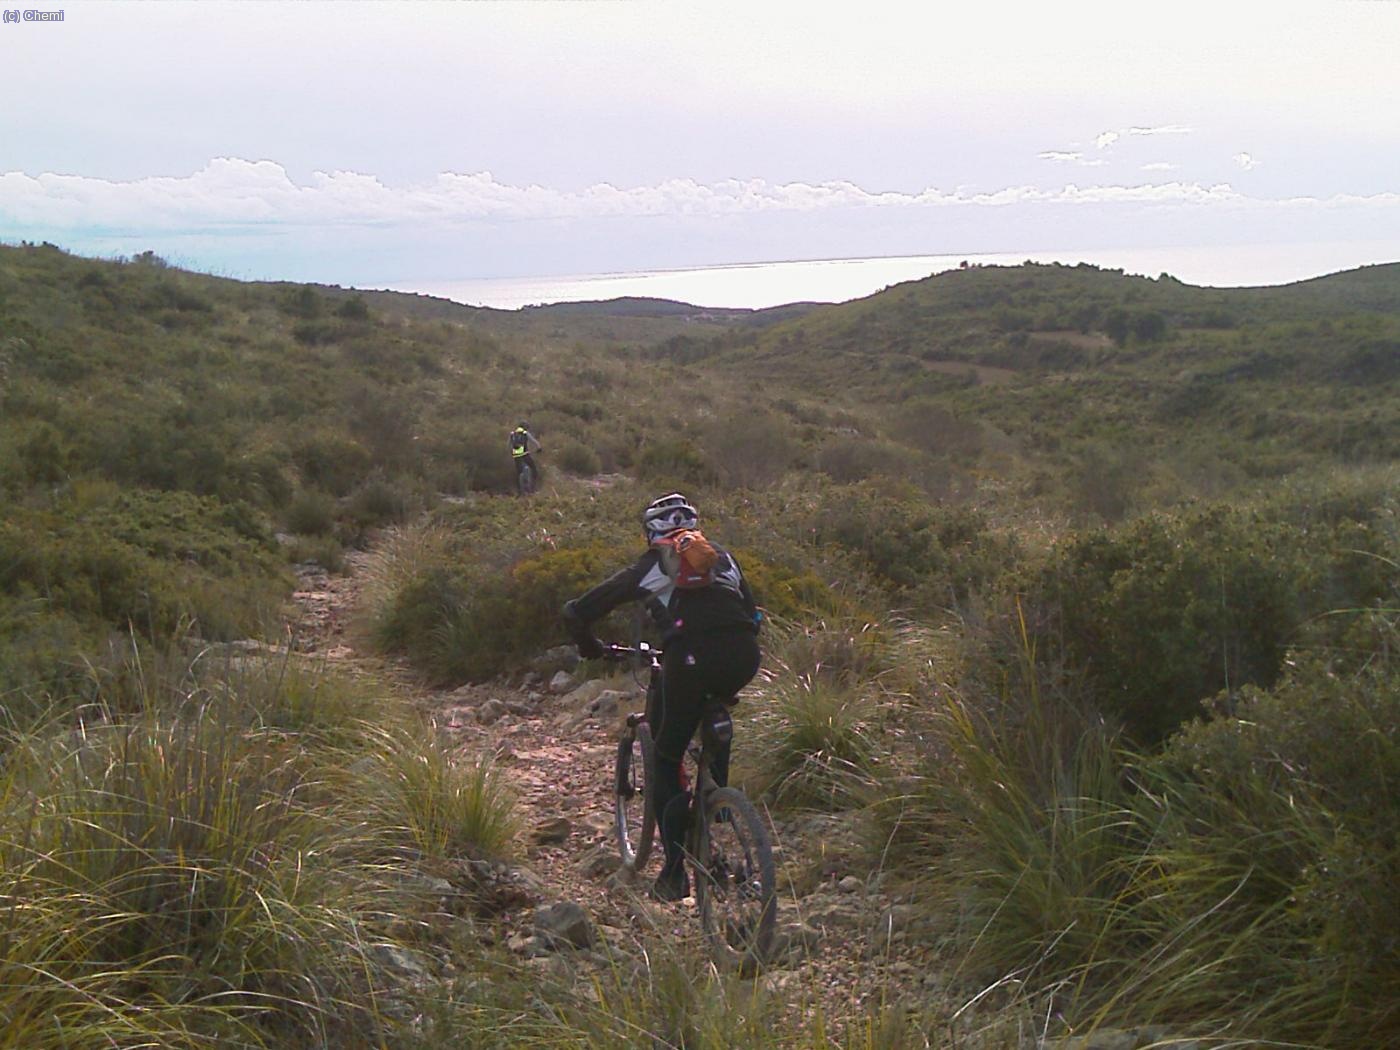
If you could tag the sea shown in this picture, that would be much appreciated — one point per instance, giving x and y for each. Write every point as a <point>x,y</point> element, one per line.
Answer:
<point>756,285</point>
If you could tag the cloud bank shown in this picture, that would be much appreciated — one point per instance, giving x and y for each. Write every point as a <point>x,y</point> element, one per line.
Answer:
<point>229,195</point>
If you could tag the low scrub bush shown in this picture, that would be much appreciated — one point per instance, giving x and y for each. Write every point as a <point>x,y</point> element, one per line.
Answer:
<point>1234,881</point>
<point>483,456</point>
<point>1169,611</point>
<point>675,463</point>
<point>847,459</point>
<point>479,620</point>
<point>45,659</point>
<point>312,512</point>
<point>143,561</point>
<point>578,458</point>
<point>787,593</point>
<point>380,501</point>
<point>750,450</point>
<point>332,461</point>
<point>935,554</point>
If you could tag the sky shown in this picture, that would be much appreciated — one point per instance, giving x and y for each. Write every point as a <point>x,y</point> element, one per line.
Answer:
<point>412,144</point>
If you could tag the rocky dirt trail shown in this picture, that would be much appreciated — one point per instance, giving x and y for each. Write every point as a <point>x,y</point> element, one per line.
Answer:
<point>849,943</point>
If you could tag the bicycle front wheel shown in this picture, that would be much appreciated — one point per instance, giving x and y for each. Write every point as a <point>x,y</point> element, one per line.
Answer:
<point>735,884</point>
<point>632,789</point>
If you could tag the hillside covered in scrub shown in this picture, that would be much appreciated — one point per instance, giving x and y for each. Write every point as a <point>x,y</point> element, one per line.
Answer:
<point>1084,606</point>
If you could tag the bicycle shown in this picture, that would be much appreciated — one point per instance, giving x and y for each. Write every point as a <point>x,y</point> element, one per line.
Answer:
<point>527,480</point>
<point>728,851</point>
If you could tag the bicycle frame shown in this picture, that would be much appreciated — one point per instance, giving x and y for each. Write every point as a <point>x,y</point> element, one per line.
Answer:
<point>725,893</point>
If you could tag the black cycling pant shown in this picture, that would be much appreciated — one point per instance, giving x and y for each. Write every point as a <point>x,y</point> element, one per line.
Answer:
<point>520,463</point>
<point>694,671</point>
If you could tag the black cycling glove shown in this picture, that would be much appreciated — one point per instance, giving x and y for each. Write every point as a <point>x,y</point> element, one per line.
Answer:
<point>588,646</point>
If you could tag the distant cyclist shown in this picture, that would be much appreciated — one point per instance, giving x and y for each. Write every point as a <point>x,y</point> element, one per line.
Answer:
<point>522,448</point>
<point>708,630</point>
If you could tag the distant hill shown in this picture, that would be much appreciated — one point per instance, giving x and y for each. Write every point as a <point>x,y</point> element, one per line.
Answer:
<point>639,306</point>
<point>596,318</point>
<point>1057,356</point>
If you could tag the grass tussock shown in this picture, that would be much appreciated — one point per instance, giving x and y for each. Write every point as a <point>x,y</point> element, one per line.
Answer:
<point>442,805</point>
<point>1227,885</point>
<point>816,744</point>
<point>183,866</point>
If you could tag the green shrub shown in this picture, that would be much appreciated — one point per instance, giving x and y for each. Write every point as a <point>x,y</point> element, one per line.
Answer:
<point>303,301</point>
<point>353,309</point>
<point>311,512</point>
<point>471,623</point>
<point>147,561</point>
<point>482,454</point>
<point>578,458</point>
<point>787,593</point>
<point>750,449</point>
<point>1334,739</point>
<point>936,554</point>
<point>849,459</point>
<point>1212,885</point>
<point>45,659</point>
<point>380,501</point>
<point>326,551</point>
<point>1168,612</point>
<point>332,461</point>
<point>675,462</point>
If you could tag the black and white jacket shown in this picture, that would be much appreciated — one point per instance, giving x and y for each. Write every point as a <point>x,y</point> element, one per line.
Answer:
<point>725,605</point>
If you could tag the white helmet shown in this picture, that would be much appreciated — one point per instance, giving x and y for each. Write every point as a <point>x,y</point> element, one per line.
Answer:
<point>665,515</point>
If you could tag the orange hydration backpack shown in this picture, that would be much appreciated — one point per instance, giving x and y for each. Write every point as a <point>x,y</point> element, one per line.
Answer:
<point>688,558</point>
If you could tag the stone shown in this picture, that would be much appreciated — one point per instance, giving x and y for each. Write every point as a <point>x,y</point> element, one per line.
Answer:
<point>797,940</point>
<point>552,830</point>
<point>459,716</point>
<point>491,711</point>
<point>565,923</point>
<point>407,964</point>
<point>561,656</point>
<point>605,706</point>
<point>831,915</point>
<point>600,862</point>
<point>530,945</point>
<point>850,884</point>
<point>897,918</point>
<point>584,694</point>
<point>561,683</point>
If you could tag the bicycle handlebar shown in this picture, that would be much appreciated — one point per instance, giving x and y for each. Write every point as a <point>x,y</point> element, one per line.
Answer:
<point>626,652</point>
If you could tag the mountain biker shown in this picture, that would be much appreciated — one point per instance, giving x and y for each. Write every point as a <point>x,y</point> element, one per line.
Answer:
<point>711,651</point>
<point>522,445</point>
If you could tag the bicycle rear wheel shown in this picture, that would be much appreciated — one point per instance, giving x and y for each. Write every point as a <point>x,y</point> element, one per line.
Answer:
<point>735,884</point>
<point>632,787</point>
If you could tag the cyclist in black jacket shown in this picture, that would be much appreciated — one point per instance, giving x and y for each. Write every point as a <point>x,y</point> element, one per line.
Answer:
<point>711,651</point>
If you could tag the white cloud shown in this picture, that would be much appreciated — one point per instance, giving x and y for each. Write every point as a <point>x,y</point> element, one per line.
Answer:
<point>1160,165</point>
<point>1108,138</point>
<point>1071,157</point>
<point>1165,129</point>
<point>1245,161</point>
<point>230,196</point>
